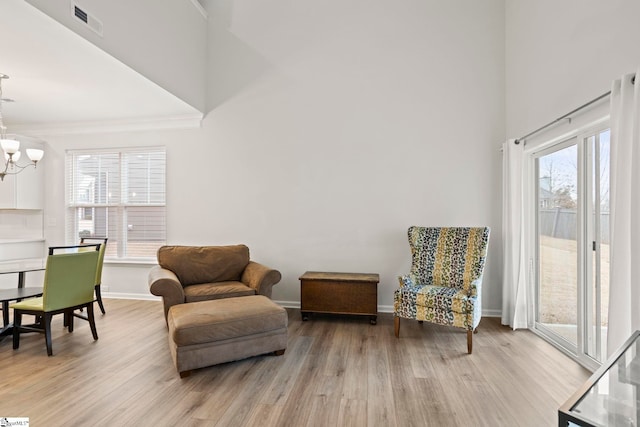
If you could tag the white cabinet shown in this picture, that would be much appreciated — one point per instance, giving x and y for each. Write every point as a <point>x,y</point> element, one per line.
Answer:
<point>11,250</point>
<point>24,190</point>
<point>21,235</point>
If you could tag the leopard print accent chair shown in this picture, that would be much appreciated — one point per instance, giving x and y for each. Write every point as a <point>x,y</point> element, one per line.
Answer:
<point>445,281</point>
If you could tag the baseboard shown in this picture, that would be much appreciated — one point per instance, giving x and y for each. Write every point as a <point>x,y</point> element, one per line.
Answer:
<point>386,308</point>
<point>286,304</point>
<point>118,295</point>
<point>491,313</point>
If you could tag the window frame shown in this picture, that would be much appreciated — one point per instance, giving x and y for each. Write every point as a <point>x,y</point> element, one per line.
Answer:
<point>121,206</point>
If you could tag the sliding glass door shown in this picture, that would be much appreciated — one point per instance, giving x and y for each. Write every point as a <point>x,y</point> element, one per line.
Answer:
<point>557,241</point>
<point>571,249</point>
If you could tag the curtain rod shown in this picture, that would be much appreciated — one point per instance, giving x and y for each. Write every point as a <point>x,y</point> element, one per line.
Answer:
<point>566,116</point>
<point>559,119</point>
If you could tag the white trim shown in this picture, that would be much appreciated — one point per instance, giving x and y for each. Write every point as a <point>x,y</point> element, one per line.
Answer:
<point>385,309</point>
<point>193,121</point>
<point>585,363</point>
<point>286,304</point>
<point>586,128</point>
<point>296,304</point>
<point>149,297</point>
<point>200,9</point>
<point>492,313</point>
<point>122,295</point>
<point>150,262</point>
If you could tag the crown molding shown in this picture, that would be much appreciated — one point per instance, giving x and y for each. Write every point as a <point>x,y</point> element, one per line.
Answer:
<point>192,121</point>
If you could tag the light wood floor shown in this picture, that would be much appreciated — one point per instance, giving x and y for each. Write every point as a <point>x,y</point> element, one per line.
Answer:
<point>337,371</point>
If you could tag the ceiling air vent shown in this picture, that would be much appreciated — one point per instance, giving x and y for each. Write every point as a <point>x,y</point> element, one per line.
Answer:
<point>86,18</point>
<point>81,14</point>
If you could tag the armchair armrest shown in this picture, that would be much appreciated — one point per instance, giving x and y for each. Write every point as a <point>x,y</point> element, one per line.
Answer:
<point>260,277</point>
<point>405,280</point>
<point>475,287</point>
<point>165,283</point>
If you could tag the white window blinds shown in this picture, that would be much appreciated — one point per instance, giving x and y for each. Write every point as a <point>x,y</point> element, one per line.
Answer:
<point>119,194</point>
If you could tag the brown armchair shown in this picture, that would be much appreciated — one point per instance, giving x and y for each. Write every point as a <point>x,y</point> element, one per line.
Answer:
<point>199,273</point>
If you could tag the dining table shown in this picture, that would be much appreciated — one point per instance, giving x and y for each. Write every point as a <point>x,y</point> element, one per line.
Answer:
<point>20,292</point>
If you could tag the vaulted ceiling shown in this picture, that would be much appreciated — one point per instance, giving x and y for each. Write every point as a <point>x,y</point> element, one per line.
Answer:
<point>58,78</point>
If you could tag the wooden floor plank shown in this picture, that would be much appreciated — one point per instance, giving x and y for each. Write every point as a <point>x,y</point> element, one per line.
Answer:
<point>352,413</point>
<point>337,370</point>
<point>381,410</point>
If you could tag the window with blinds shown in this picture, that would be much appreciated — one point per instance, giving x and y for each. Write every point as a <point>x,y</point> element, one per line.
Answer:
<point>119,194</point>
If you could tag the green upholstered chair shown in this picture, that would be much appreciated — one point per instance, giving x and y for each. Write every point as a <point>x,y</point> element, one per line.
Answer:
<point>445,282</point>
<point>103,248</point>
<point>69,282</point>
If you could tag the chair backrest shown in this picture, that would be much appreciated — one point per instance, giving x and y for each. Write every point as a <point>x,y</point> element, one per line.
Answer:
<point>103,248</point>
<point>69,277</point>
<point>204,264</point>
<point>448,256</point>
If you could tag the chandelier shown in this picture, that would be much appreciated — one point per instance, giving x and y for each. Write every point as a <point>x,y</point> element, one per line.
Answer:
<point>11,147</point>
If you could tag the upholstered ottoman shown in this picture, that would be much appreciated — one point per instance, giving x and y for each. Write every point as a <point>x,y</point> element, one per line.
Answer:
<point>206,333</point>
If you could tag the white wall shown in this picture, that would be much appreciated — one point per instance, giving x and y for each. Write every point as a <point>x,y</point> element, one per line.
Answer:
<point>562,54</point>
<point>334,126</point>
<point>354,121</point>
<point>165,41</point>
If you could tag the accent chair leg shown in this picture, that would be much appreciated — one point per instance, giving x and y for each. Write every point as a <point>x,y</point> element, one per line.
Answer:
<point>185,374</point>
<point>279,352</point>
<point>17,320</point>
<point>396,326</point>
<point>469,341</point>
<point>99,299</point>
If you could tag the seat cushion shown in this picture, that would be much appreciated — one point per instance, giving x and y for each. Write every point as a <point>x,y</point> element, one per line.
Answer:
<point>204,264</point>
<point>223,319</point>
<point>35,304</point>
<point>444,298</point>
<point>441,305</point>
<point>209,291</point>
<point>436,297</point>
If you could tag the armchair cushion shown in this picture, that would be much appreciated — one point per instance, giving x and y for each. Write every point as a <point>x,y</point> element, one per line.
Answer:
<point>437,304</point>
<point>204,264</point>
<point>207,291</point>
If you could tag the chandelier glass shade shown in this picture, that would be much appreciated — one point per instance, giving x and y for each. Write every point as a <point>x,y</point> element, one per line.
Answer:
<point>11,147</point>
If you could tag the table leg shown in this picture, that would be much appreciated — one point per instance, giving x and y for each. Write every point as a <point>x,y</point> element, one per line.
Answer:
<point>5,313</point>
<point>20,279</point>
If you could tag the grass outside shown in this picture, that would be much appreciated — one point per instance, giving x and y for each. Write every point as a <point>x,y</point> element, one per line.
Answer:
<point>558,281</point>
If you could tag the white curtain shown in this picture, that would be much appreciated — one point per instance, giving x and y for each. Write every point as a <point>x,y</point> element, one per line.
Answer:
<point>624,291</point>
<point>514,291</point>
